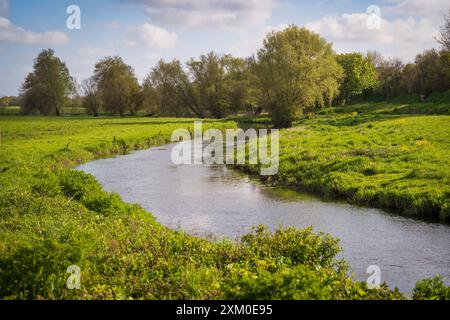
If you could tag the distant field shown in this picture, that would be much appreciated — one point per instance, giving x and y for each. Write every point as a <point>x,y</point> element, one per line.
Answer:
<point>9,111</point>
<point>375,155</point>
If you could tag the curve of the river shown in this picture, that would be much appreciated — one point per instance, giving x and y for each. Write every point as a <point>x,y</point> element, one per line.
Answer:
<point>214,200</point>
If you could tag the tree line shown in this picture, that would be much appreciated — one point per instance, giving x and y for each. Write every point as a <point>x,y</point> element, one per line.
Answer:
<point>295,71</point>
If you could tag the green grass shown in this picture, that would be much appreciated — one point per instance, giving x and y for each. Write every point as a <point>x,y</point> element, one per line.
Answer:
<point>370,154</point>
<point>52,217</point>
<point>4,111</point>
<point>404,106</point>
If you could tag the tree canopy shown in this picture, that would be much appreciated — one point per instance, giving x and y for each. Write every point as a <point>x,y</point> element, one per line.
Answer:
<point>295,72</point>
<point>48,87</point>
<point>359,75</point>
<point>117,86</point>
<point>296,69</point>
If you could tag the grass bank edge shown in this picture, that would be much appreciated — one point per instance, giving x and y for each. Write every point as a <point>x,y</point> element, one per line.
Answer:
<point>301,169</point>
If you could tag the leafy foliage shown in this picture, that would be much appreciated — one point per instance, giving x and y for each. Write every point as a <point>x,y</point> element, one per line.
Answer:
<point>431,289</point>
<point>359,75</point>
<point>47,88</point>
<point>117,86</point>
<point>296,69</point>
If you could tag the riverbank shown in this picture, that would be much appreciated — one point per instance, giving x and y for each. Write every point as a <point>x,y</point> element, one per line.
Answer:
<point>53,217</point>
<point>217,202</point>
<point>373,155</point>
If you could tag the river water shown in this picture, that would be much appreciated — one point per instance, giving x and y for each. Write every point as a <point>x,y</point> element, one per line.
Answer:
<point>220,202</point>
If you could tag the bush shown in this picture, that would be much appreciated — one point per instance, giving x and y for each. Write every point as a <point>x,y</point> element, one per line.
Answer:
<point>431,289</point>
<point>77,184</point>
<point>36,270</point>
<point>298,283</point>
<point>302,283</point>
<point>47,184</point>
<point>294,247</point>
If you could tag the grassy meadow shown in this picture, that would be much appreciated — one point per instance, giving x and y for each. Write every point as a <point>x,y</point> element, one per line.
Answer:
<point>395,156</point>
<point>52,217</point>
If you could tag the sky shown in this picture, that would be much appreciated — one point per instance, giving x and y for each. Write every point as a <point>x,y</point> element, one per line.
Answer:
<point>145,31</point>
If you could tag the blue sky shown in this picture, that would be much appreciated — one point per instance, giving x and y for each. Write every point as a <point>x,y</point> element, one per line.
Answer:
<point>144,31</point>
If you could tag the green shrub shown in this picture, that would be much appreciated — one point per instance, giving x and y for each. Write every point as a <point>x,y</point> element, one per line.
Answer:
<point>47,184</point>
<point>301,283</point>
<point>294,247</point>
<point>36,270</point>
<point>431,289</point>
<point>77,184</point>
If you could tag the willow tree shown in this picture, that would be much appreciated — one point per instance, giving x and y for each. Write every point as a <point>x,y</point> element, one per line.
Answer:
<point>220,83</point>
<point>48,87</point>
<point>117,85</point>
<point>170,85</point>
<point>296,69</point>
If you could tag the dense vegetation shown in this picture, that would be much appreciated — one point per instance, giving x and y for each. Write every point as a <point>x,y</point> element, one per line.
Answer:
<point>53,217</point>
<point>392,156</point>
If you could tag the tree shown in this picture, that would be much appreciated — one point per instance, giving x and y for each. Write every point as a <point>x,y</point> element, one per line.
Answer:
<point>296,69</point>
<point>47,88</point>
<point>375,58</point>
<point>444,37</point>
<point>174,91</point>
<point>149,100</point>
<point>444,62</point>
<point>429,72</point>
<point>359,75</point>
<point>166,85</point>
<point>389,75</point>
<point>117,85</point>
<point>209,75</point>
<point>409,82</point>
<point>220,83</point>
<point>5,101</point>
<point>240,85</point>
<point>75,101</point>
<point>91,100</point>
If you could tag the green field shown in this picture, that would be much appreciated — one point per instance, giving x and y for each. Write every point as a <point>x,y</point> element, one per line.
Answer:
<point>383,155</point>
<point>52,217</point>
<point>9,111</point>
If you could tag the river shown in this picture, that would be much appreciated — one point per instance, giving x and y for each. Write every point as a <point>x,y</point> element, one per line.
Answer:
<point>220,202</point>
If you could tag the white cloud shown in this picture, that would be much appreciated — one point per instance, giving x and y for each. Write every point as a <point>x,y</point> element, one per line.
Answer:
<point>403,38</point>
<point>424,8</point>
<point>151,36</point>
<point>201,13</point>
<point>12,34</point>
